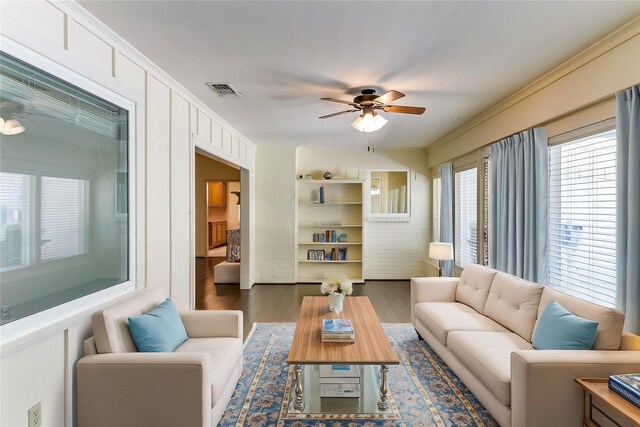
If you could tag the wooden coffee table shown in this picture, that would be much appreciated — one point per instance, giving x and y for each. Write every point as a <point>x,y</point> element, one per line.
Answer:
<point>371,347</point>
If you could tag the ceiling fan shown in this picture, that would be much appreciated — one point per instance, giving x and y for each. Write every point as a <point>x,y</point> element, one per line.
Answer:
<point>368,102</point>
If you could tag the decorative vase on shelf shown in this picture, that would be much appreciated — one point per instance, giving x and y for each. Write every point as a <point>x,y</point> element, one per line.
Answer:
<point>336,302</point>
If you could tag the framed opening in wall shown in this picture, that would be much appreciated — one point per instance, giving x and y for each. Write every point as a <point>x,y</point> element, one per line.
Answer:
<point>65,193</point>
<point>388,195</point>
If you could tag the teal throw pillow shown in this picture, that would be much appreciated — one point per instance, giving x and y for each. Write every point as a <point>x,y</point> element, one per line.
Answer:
<point>158,330</point>
<point>559,329</point>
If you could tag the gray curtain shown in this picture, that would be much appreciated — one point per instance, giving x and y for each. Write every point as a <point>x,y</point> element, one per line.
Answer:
<point>446,212</point>
<point>628,206</point>
<point>519,208</point>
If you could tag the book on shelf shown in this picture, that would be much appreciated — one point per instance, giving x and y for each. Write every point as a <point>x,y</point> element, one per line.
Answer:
<point>315,255</point>
<point>627,386</point>
<point>337,326</point>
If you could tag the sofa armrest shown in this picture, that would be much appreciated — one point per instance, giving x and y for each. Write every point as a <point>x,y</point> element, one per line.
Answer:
<point>432,289</point>
<point>213,323</point>
<point>543,390</point>
<point>144,389</point>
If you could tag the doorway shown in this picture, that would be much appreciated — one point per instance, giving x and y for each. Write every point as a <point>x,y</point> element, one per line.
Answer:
<point>217,207</point>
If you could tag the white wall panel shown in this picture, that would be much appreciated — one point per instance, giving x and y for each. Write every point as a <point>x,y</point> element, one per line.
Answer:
<point>216,134</point>
<point>226,141</point>
<point>158,184</point>
<point>42,366</point>
<point>41,16</point>
<point>130,73</point>
<point>180,201</point>
<point>204,127</point>
<point>33,375</point>
<point>75,337</point>
<point>90,47</point>
<point>235,146</point>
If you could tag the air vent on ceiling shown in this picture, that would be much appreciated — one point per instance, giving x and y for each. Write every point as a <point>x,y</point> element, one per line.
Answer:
<point>223,89</point>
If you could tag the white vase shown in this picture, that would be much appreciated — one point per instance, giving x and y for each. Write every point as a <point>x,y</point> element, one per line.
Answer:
<point>336,301</point>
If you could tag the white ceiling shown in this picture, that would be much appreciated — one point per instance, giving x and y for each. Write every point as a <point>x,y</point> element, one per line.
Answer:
<point>455,58</point>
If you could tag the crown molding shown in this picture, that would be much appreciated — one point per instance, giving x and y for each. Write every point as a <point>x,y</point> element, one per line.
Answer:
<point>124,47</point>
<point>602,46</point>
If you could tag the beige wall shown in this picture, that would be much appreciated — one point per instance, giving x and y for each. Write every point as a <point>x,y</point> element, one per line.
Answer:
<point>586,80</point>
<point>207,169</point>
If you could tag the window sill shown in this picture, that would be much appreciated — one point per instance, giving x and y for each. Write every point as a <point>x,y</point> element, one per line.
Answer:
<point>21,333</point>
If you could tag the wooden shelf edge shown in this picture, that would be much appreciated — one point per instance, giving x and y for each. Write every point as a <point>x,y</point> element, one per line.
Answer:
<point>328,243</point>
<point>349,261</point>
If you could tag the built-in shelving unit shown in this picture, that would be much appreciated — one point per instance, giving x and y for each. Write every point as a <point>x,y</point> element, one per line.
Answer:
<point>339,221</point>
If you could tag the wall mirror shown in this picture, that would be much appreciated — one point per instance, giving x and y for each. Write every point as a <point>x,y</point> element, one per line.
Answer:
<point>388,195</point>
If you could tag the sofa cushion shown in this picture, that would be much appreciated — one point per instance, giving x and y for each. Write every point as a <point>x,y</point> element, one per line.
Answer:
<point>159,329</point>
<point>442,317</point>
<point>111,326</point>
<point>474,285</point>
<point>610,321</point>
<point>225,355</point>
<point>513,302</point>
<point>559,329</point>
<point>488,356</point>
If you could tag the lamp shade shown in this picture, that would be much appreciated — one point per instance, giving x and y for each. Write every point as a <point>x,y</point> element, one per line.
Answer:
<point>441,251</point>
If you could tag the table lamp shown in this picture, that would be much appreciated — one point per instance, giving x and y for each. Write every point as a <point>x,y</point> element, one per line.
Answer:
<point>442,252</point>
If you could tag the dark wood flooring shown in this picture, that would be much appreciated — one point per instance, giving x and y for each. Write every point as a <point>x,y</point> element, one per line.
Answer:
<point>281,303</point>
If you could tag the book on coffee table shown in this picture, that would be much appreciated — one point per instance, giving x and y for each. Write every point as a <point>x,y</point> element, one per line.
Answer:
<point>337,330</point>
<point>337,326</point>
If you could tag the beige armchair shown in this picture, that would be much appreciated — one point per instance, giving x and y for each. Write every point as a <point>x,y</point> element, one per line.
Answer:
<point>118,386</point>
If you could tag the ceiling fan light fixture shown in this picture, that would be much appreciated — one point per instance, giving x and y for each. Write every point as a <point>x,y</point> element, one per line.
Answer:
<point>357,123</point>
<point>369,121</point>
<point>12,127</point>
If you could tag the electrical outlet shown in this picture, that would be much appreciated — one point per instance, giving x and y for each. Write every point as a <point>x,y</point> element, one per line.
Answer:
<point>35,415</point>
<point>5,312</point>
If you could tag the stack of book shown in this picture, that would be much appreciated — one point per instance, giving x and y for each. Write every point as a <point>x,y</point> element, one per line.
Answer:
<point>627,386</point>
<point>339,381</point>
<point>338,330</point>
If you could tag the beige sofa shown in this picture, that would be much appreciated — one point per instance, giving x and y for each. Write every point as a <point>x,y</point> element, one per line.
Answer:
<point>481,326</point>
<point>118,386</point>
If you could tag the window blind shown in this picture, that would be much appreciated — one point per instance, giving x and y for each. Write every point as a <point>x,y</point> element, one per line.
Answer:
<point>582,218</point>
<point>485,211</point>
<point>15,220</point>
<point>436,209</point>
<point>466,202</point>
<point>64,231</point>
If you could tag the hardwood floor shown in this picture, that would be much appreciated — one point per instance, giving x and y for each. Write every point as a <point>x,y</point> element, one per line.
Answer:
<point>281,303</point>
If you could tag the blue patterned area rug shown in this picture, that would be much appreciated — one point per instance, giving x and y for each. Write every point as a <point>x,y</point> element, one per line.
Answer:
<point>424,391</point>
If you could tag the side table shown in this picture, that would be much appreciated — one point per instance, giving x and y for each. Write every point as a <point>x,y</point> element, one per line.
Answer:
<point>602,407</point>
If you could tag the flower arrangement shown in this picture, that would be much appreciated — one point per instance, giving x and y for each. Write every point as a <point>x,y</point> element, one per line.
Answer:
<point>336,286</point>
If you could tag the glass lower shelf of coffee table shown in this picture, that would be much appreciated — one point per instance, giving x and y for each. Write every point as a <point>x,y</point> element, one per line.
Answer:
<point>367,403</point>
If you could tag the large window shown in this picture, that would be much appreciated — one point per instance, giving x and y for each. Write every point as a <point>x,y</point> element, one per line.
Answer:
<point>582,218</point>
<point>436,210</point>
<point>465,229</point>
<point>64,227</point>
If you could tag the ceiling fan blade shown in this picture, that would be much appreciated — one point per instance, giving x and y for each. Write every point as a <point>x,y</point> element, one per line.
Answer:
<point>339,100</point>
<point>403,109</point>
<point>328,116</point>
<point>388,97</point>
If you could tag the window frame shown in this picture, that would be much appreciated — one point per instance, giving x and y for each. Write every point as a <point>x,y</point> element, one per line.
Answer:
<point>433,213</point>
<point>457,267</point>
<point>22,332</point>
<point>570,137</point>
